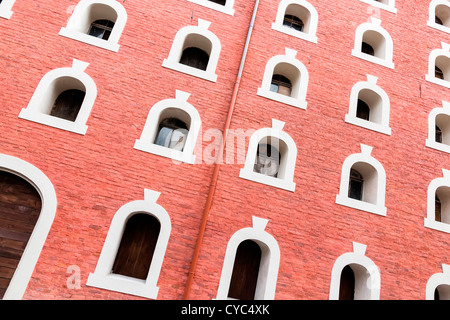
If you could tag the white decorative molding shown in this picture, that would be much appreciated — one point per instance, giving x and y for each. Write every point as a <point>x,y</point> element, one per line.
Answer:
<point>430,220</point>
<point>443,55</point>
<point>227,8</point>
<point>6,8</point>
<point>436,280</point>
<point>443,114</point>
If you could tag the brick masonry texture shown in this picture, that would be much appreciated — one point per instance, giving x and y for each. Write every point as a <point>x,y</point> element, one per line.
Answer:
<point>95,174</point>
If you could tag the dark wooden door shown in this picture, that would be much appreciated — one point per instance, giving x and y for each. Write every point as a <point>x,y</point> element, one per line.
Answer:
<point>20,206</point>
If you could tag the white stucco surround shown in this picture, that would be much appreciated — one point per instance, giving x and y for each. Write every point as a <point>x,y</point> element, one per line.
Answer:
<point>388,5</point>
<point>44,187</point>
<point>48,89</point>
<point>374,182</point>
<point>204,37</point>
<point>430,220</point>
<point>270,260</point>
<point>227,8</point>
<point>436,280</point>
<point>378,102</point>
<point>146,141</point>
<point>441,115</point>
<point>433,10</point>
<point>382,43</point>
<point>442,57</point>
<point>6,8</point>
<point>367,274</point>
<point>285,144</point>
<point>87,11</point>
<point>306,12</point>
<point>103,276</point>
<point>288,66</point>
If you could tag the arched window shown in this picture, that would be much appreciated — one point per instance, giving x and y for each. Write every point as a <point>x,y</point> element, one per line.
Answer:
<point>97,22</point>
<point>268,160</point>
<point>134,248</point>
<point>439,66</point>
<point>297,18</point>
<point>245,271</point>
<point>356,184</point>
<point>362,110</point>
<point>439,128</point>
<point>438,285</point>
<point>5,8</point>
<point>373,43</point>
<point>439,15</point>
<point>438,134</point>
<point>438,203</point>
<point>195,51</point>
<point>347,284</point>
<point>285,74</point>
<point>171,129</point>
<point>224,6</point>
<point>63,99</point>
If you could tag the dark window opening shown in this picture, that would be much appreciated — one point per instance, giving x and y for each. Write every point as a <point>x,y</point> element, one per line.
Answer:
<point>195,57</point>
<point>172,133</point>
<point>438,73</point>
<point>438,134</point>
<point>355,189</point>
<point>293,22</point>
<point>367,49</point>
<point>245,271</point>
<point>101,29</point>
<point>267,160</point>
<point>438,20</point>
<point>347,284</point>
<point>362,110</point>
<point>221,2</point>
<point>137,246</point>
<point>281,84</point>
<point>436,294</point>
<point>68,104</point>
<point>437,209</point>
<point>20,206</point>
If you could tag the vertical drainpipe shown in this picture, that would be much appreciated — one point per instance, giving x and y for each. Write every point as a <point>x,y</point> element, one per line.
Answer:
<point>213,183</point>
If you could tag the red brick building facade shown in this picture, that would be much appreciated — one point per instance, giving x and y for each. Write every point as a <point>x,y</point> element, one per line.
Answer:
<point>95,172</point>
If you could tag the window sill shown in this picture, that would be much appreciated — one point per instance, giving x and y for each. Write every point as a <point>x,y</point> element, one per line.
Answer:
<point>282,98</point>
<point>367,57</point>
<point>298,34</point>
<point>361,205</point>
<point>164,152</point>
<point>6,14</point>
<point>271,181</point>
<point>437,81</point>
<point>119,283</point>
<point>383,6</point>
<point>83,37</point>
<point>189,70</point>
<point>436,225</point>
<point>437,145</point>
<point>439,27</point>
<point>367,124</point>
<point>214,6</point>
<point>52,121</point>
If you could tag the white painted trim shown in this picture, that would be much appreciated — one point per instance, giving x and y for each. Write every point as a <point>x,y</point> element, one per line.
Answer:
<point>374,25</point>
<point>437,279</point>
<point>430,220</point>
<point>43,185</point>
<point>39,107</point>
<point>390,6</point>
<point>5,8</point>
<point>299,86</point>
<point>288,158</point>
<point>367,279</point>
<point>432,15</point>
<point>445,52</point>
<point>382,125</point>
<point>270,260</point>
<point>173,60</point>
<point>78,25</point>
<point>364,157</point>
<point>146,141</point>
<point>227,8</point>
<point>431,140</point>
<point>103,276</point>
<point>310,26</point>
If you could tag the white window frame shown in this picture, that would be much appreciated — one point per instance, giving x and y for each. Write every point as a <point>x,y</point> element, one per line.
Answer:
<point>270,260</point>
<point>173,60</point>
<point>430,221</point>
<point>431,140</point>
<point>103,276</point>
<point>310,25</point>
<point>30,255</point>
<point>77,24</point>
<point>6,8</point>
<point>227,8</point>
<point>34,112</point>
<point>432,15</point>
<point>389,6</point>
<point>364,157</point>
<point>370,279</point>
<point>375,26</point>
<point>434,55</point>
<point>146,141</point>
<point>383,124</point>
<point>300,86</point>
<point>436,280</point>
<point>287,165</point>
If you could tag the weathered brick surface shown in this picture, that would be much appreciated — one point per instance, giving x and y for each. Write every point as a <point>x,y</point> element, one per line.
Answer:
<point>95,174</point>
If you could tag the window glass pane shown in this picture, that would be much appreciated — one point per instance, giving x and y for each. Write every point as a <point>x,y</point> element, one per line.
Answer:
<point>178,139</point>
<point>267,160</point>
<point>163,138</point>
